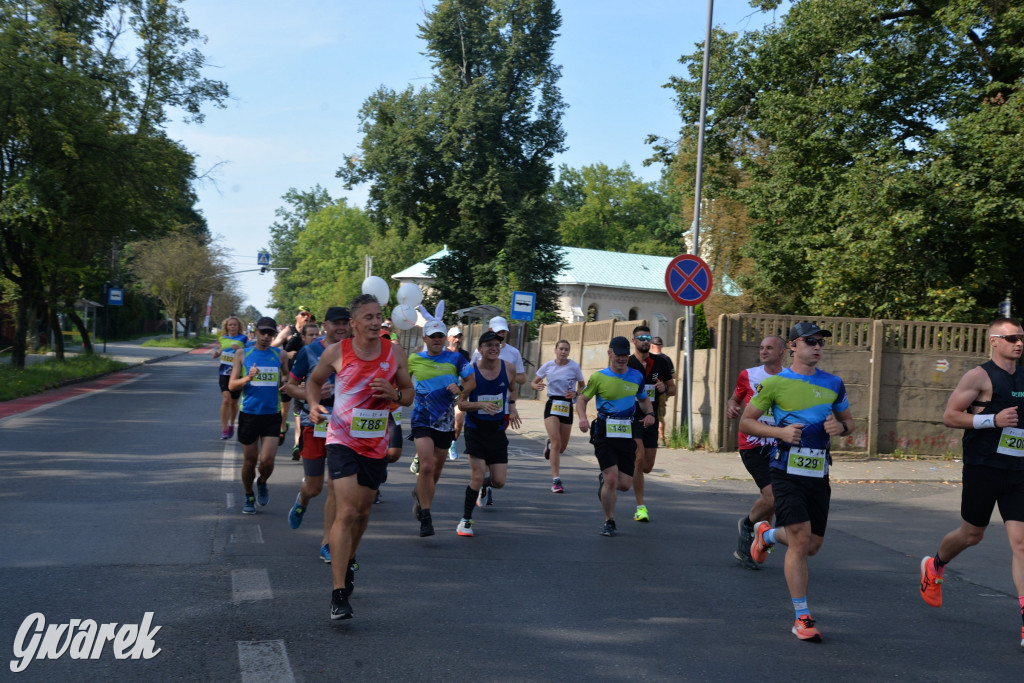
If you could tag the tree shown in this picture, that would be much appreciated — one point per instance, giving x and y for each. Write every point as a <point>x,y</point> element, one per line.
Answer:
<point>284,235</point>
<point>84,163</point>
<point>880,140</point>
<point>467,159</point>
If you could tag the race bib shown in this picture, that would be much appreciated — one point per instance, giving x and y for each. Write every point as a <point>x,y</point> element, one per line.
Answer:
<point>396,415</point>
<point>807,462</point>
<point>618,429</point>
<point>649,388</point>
<point>369,424</point>
<point>227,356</point>
<point>266,377</point>
<point>767,419</point>
<point>560,408</point>
<point>496,399</point>
<point>320,430</point>
<point>1011,442</point>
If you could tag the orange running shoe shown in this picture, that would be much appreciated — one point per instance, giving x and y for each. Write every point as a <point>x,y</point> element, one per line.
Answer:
<point>804,629</point>
<point>931,584</point>
<point>759,549</point>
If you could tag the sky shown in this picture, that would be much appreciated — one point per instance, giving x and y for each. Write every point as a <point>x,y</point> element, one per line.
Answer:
<point>299,71</point>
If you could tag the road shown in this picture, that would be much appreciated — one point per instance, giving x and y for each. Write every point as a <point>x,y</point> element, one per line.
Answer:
<point>125,502</point>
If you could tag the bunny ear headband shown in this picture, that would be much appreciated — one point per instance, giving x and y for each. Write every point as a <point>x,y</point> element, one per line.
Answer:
<point>438,312</point>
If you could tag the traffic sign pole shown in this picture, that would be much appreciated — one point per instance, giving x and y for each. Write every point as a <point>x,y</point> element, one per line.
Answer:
<point>688,280</point>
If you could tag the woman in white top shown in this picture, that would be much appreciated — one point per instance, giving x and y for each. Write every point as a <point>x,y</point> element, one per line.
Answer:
<point>565,381</point>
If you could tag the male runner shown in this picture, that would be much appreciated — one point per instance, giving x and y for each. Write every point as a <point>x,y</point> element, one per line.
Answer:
<point>755,451</point>
<point>437,373</point>
<point>314,437</point>
<point>658,382</point>
<point>810,407</point>
<point>370,374</point>
<point>499,326</point>
<point>258,371</point>
<point>490,407</point>
<point>619,389</point>
<point>987,404</point>
<point>455,344</point>
<point>661,406</point>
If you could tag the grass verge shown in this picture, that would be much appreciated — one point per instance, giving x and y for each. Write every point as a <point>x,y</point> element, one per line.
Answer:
<point>180,342</point>
<point>38,377</point>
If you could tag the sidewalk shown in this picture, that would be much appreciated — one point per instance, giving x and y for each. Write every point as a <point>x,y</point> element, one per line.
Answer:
<point>684,465</point>
<point>130,352</point>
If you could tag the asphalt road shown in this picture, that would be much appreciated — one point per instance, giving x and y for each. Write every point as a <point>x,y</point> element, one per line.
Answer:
<point>126,502</point>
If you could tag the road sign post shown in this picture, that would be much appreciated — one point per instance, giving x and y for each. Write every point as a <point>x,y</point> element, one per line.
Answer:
<point>688,280</point>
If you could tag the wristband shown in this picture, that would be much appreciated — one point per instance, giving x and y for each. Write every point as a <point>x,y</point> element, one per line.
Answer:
<point>511,400</point>
<point>987,421</point>
<point>399,399</point>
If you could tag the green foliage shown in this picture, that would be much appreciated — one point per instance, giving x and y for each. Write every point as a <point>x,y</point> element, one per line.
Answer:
<point>180,342</point>
<point>467,159</point>
<point>701,334</point>
<point>879,142</point>
<point>284,236</point>
<point>38,377</point>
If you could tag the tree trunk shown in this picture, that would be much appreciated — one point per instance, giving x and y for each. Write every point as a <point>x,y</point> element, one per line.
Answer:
<point>20,348</point>
<point>82,329</point>
<point>58,333</point>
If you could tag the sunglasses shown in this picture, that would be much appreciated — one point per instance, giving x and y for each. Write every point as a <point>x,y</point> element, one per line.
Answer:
<point>643,337</point>
<point>436,335</point>
<point>811,341</point>
<point>1012,338</point>
<point>266,331</point>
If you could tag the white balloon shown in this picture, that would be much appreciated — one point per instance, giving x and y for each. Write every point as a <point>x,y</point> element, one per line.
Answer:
<point>410,294</point>
<point>404,317</point>
<point>378,287</point>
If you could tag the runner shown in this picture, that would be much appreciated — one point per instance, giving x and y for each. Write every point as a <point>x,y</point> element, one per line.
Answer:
<point>231,339</point>
<point>257,373</point>
<point>499,326</point>
<point>619,389</point>
<point>658,382</point>
<point>662,405</point>
<point>565,382</point>
<point>314,437</point>
<point>490,408</point>
<point>394,421</point>
<point>993,446</point>
<point>455,344</point>
<point>755,451</point>
<point>810,407</point>
<point>370,375</point>
<point>290,339</point>
<point>310,332</point>
<point>437,372</point>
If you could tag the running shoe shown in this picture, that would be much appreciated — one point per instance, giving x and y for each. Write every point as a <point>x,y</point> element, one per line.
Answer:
<point>295,516</point>
<point>325,553</point>
<point>284,430</point>
<point>481,497</point>
<point>340,609</point>
<point>426,526</point>
<point>350,577</point>
<point>377,498</point>
<point>465,527</point>
<point>453,453</point>
<point>758,548</point>
<point>600,484</point>
<point>556,486</point>
<point>641,514</point>
<point>1022,637</point>
<point>931,584</point>
<point>547,450</point>
<point>490,500</point>
<point>609,528</point>
<point>262,493</point>
<point>742,552</point>
<point>249,506</point>
<point>415,504</point>
<point>414,467</point>
<point>225,434</point>
<point>804,628</point>
<point>295,452</point>
<point>231,431</point>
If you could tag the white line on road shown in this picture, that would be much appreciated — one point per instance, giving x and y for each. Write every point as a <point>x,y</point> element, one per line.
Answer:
<point>265,661</point>
<point>250,584</point>
<point>229,501</point>
<point>228,468</point>
<point>247,534</point>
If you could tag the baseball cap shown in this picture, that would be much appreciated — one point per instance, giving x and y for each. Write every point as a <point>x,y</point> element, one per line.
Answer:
<point>266,323</point>
<point>385,325</point>
<point>486,337</point>
<point>657,341</point>
<point>619,346</point>
<point>336,313</point>
<point>433,327</point>
<point>454,332</point>
<point>303,309</point>
<point>806,329</point>
<point>498,324</point>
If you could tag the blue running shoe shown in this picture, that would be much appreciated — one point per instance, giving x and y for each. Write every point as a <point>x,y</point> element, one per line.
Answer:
<point>295,516</point>
<point>325,553</point>
<point>262,493</point>
<point>249,506</point>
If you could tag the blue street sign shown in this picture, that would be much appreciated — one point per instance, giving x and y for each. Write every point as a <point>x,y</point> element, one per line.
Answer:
<point>523,305</point>
<point>263,258</point>
<point>115,296</point>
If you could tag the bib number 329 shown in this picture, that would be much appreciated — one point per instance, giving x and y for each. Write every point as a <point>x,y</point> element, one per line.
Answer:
<point>807,462</point>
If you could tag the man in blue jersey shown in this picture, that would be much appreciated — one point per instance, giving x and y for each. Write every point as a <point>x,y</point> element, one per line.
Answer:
<point>809,407</point>
<point>440,376</point>
<point>258,371</point>
<point>314,437</point>
<point>489,408</point>
<point>618,390</point>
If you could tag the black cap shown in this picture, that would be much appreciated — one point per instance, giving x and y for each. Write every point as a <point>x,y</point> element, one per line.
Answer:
<point>806,329</point>
<point>619,346</point>
<point>336,313</point>
<point>266,323</point>
<point>487,336</point>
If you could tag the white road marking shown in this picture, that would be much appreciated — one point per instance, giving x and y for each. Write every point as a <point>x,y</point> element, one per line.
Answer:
<point>229,501</point>
<point>247,533</point>
<point>228,467</point>
<point>250,584</point>
<point>264,661</point>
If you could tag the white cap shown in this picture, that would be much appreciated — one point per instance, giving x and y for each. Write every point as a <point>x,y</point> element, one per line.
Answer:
<point>433,327</point>
<point>453,331</point>
<point>498,324</point>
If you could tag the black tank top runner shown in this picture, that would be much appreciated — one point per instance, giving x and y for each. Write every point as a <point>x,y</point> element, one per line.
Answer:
<point>980,444</point>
